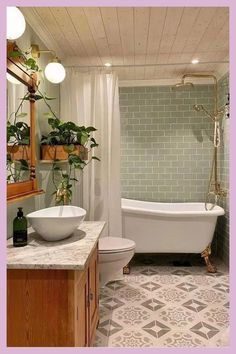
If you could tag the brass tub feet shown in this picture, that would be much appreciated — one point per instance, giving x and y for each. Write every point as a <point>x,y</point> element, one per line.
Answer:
<point>126,269</point>
<point>211,268</point>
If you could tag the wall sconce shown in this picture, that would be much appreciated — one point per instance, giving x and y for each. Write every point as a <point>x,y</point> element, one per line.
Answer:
<point>15,23</point>
<point>54,71</point>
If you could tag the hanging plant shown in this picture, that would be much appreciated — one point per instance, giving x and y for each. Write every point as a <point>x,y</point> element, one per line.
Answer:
<point>29,64</point>
<point>66,140</point>
<point>72,143</point>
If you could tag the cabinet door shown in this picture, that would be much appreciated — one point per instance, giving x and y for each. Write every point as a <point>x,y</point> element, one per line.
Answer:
<point>81,309</point>
<point>39,308</point>
<point>93,295</point>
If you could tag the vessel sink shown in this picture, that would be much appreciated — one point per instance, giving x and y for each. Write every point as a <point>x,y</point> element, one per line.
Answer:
<point>56,223</point>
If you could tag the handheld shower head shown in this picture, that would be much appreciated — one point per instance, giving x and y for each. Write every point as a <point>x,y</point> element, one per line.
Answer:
<point>198,107</point>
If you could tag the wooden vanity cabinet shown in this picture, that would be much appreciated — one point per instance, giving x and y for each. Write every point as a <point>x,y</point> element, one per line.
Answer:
<point>53,308</point>
<point>93,276</point>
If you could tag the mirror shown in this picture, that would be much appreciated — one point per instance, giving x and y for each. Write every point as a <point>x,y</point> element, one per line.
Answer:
<point>18,132</point>
<point>21,88</point>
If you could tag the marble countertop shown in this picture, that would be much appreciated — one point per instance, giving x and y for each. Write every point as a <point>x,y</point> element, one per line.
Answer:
<point>71,253</point>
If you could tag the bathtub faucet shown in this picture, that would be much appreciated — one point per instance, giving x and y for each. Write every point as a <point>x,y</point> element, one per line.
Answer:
<point>217,192</point>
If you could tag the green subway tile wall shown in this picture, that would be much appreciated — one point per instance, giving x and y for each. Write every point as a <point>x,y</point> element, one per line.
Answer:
<point>167,147</point>
<point>222,229</point>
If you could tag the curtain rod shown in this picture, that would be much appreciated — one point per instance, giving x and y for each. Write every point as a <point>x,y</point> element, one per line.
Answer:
<point>142,65</point>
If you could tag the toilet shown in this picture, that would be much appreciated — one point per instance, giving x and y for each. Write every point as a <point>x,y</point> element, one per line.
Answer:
<point>114,254</point>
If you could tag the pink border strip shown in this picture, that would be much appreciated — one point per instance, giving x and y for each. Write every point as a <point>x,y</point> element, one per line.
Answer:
<point>135,3</point>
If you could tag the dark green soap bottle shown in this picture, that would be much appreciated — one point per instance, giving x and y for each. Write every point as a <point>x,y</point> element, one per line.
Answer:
<point>20,229</point>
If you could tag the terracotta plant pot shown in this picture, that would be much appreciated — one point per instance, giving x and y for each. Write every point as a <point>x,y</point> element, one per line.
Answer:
<point>52,152</point>
<point>19,152</point>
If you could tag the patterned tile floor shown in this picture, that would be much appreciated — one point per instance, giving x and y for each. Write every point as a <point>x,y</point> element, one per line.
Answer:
<point>165,306</point>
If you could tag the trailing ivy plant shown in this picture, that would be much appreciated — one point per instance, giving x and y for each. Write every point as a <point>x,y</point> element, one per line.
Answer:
<point>68,134</point>
<point>63,133</point>
<point>29,64</point>
<point>16,169</point>
<point>18,134</point>
<point>64,179</point>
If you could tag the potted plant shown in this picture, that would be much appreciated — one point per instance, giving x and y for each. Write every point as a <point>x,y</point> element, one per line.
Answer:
<point>71,143</point>
<point>66,138</point>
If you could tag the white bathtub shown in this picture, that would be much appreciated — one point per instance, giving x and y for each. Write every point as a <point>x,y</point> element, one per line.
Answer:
<point>168,227</point>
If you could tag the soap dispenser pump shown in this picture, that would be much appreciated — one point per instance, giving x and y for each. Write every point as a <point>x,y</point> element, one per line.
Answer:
<point>20,229</point>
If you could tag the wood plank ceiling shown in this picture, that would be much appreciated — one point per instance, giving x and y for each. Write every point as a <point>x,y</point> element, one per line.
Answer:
<point>137,36</point>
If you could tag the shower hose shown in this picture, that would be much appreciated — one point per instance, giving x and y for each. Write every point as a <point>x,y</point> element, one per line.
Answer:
<point>215,193</point>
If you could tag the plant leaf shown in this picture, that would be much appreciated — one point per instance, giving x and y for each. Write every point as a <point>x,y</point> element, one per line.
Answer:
<point>69,148</point>
<point>22,125</point>
<point>83,139</point>
<point>49,98</point>
<point>93,145</point>
<point>24,165</point>
<point>54,122</point>
<point>74,179</point>
<point>74,159</point>
<point>48,115</point>
<point>95,158</point>
<point>30,62</point>
<point>90,129</point>
<point>14,54</point>
<point>57,168</point>
<point>24,141</point>
<point>20,115</point>
<point>36,97</point>
<point>9,159</point>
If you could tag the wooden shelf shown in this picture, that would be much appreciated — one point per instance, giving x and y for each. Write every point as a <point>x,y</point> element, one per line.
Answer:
<point>23,196</point>
<point>52,161</point>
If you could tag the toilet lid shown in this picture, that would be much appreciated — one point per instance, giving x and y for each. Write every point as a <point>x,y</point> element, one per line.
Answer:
<point>115,244</point>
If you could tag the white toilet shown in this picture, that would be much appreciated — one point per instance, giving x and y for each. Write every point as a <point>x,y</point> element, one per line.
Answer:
<point>114,254</point>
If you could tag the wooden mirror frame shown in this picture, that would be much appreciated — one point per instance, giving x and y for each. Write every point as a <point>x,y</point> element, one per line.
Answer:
<point>29,188</point>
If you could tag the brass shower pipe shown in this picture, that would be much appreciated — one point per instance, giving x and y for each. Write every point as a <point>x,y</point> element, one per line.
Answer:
<point>217,114</point>
<point>207,76</point>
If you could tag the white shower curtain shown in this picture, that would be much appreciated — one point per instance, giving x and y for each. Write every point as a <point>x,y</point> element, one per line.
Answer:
<point>92,99</point>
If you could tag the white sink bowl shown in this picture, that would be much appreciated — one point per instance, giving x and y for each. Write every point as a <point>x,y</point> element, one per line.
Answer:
<point>56,223</point>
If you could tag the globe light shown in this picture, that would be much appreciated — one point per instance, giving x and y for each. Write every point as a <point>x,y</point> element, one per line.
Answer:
<point>13,80</point>
<point>55,72</point>
<point>15,23</point>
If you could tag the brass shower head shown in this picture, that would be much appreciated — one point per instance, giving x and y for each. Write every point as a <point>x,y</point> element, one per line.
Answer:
<point>182,84</point>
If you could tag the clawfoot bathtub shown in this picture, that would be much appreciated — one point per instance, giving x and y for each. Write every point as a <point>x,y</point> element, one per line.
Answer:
<point>170,227</point>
